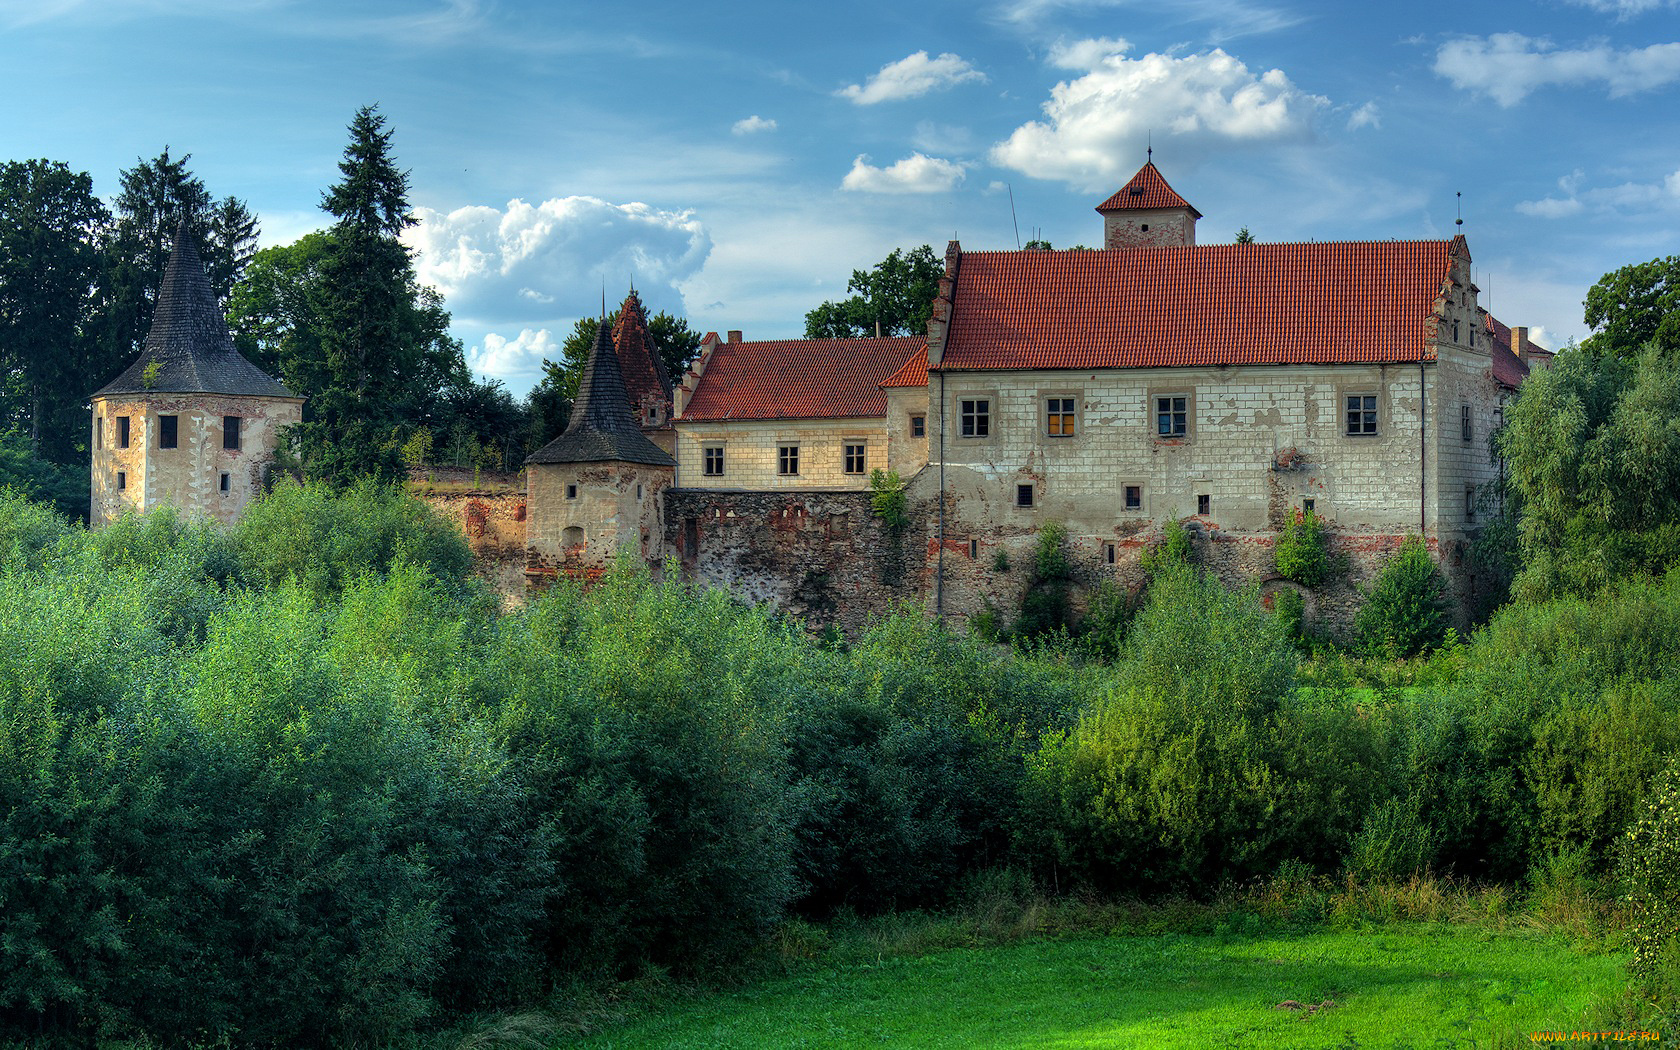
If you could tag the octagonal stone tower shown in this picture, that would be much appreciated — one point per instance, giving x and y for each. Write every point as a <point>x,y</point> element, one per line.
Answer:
<point>190,424</point>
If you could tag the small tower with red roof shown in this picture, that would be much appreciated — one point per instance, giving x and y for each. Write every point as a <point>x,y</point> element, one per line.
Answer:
<point>1147,213</point>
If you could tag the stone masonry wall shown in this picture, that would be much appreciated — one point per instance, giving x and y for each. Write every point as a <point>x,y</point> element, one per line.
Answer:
<point>820,555</point>
<point>750,452</point>
<point>493,521</point>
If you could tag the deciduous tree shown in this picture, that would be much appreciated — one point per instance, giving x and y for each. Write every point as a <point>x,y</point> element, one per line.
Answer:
<point>896,295</point>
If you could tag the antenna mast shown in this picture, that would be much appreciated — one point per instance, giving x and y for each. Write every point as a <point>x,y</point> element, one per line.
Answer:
<point>1012,220</point>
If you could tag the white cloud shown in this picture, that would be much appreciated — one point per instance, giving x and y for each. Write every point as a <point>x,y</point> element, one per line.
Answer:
<point>1507,67</point>
<point>1085,55</point>
<point>1226,19</point>
<point>752,125</point>
<point>1096,124</point>
<point>911,77</point>
<point>517,361</point>
<point>526,263</point>
<point>916,173</point>
<point>1625,8</point>
<point>1629,196</point>
<point>1365,116</point>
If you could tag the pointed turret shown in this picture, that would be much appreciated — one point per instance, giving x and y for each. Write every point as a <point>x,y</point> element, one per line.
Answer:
<point>1148,213</point>
<point>646,379</point>
<point>601,428</point>
<point>188,349</point>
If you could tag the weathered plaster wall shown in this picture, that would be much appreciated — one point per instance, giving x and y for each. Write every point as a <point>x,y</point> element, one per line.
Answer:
<point>493,521</point>
<point>750,453</point>
<point>188,476</point>
<point>820,555</point>
<point>907,453</point>
<point>610,506</point>
<point>1152,228</point>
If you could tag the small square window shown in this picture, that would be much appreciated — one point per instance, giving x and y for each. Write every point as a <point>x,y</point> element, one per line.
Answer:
<point>1134,497</point>
<point>1023,495</point>
<point>711,463</point>
<point>1361,415</point>
<point>122,480</point>
<point>1204,504</point>
<point>976,417</point>
<point>230,433</point>
<point>787,460</point>
<point>918,426</point>
<point>122,431</point>
<point>1058,417</point>
<point>854,456</point>
<point>1307,505</point>
<point>168,432</point>
<point>1464,422</point>
<point>1172,417</point>
<point>227,482</point>
<point>571,492</point>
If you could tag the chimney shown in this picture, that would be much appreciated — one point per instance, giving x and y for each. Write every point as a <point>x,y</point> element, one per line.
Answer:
<point>734,335</point>
<point>1519,342</point>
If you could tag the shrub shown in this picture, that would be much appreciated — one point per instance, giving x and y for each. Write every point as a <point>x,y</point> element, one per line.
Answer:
<point>1652,870</point>
<point>888,501</point>
<point>1103,630</point>
<point>27,531</point>
<point>1176,548</point>
<point>1395,843</point>
<point>1291,612</point>
<point>1406,611</point>
<point>1301,552</point>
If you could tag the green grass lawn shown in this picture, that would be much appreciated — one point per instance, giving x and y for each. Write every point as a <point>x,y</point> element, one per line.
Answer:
<point>1394,986</point>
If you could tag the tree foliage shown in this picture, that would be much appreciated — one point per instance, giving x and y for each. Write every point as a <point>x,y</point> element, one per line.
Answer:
<point>1406,611</point>
<point>897,294</point>
<point>1593,450</point>
<point>1301,552</point>
<point>1634,306</point>
<point>676,343</point>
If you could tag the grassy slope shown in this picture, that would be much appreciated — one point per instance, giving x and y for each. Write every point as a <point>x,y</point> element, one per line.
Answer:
<point>1397,986</point>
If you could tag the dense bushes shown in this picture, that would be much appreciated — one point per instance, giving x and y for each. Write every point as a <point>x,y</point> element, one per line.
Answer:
<point>1406,611</point>
<point>247,797</point>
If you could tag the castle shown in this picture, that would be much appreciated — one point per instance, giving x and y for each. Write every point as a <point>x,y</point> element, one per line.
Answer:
<point>1228,387</point>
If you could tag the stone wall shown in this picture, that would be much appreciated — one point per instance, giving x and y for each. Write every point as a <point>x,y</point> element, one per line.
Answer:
<point>819,555</point>
<point>493,521</point>
<point>750,456</point>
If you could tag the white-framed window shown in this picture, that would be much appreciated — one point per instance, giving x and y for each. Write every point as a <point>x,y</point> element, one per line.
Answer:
<point>1058,417</point>
<point>1172,415</point>
<point>854,457</point>
<point>711,461</point>
<point>975,417</point>
<point>1360,415</point>
<point>787,459</point>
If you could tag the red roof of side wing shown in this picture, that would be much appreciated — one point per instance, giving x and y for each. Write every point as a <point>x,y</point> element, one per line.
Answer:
<point>1212,304</point>
<point>799,378</point>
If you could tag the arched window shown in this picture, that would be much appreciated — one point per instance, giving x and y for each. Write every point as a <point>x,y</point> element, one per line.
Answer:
<point>572,536</point>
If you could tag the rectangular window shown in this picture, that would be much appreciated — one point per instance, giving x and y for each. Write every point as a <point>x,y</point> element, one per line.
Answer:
<point>976,418</point>
<point>1023,495</point>
<point>1108,553</point>
<point>1134,497</point>
<point>787,459</point>
<point>571,492</point>
<point>974,548</point>
<point>1204,504</point>
<point>1058,417</point>
<point>1464,422</point>
<point>99,432</point>
<point>711,463</point>
<point>230,433</point>
<point>1469,503</point>
<point>122,480</point>
<point>1361,415</point>
<point>122,431</point>
<point>227,482</point>
<point>167,432</point>
<point>854,459</point>
<point>1307,506</point>
<point>918,426</point>
<point>1172,417</point>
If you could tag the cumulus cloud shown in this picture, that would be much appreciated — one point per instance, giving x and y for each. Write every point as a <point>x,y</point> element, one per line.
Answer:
<point>752,125</point>
<point>1507,67</point>
<point>916,173</point>
<point>911,77</point>
<point>1096,124</point>
<point>1225,19</point>
<point>525,263</point>
<point>1089,54</point>
<point>514,361</point>
<point>1365,116</point>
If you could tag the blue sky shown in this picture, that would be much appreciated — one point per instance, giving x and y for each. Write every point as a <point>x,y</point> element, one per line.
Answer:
<point>737,161</point>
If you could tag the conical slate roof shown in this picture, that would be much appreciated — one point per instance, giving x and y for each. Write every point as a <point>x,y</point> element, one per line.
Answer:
<point>189,341</point>
<point>601,429</point>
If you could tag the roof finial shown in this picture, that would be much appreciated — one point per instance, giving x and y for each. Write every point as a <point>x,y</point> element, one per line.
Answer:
<point>603,300</point>
<point>1460,220</point>
<point>1149,154</point>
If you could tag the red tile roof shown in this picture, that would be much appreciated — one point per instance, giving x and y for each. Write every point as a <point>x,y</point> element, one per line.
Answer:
<point>1146,190</point>
<point>1508,370</point>
<point>644,370</point>
<point>799,378</point>
<point>914,372</point>
<point>1206,305</point>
